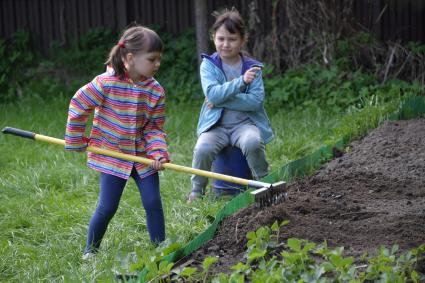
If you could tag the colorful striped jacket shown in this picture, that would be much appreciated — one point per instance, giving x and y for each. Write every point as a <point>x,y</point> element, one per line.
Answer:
<point>128,118</point>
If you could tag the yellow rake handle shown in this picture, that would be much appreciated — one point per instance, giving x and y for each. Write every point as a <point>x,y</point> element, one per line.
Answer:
<point>178,168</point>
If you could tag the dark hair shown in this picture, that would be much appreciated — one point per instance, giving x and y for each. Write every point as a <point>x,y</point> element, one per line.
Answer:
<point>232,21</point>
<point>134,40</point>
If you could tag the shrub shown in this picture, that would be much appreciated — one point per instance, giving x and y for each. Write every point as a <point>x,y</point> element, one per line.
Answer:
<point>17,58</point>
<point>332,87</point>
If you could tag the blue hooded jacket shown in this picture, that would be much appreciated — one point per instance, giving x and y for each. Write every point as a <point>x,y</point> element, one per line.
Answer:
<point>224,94</point>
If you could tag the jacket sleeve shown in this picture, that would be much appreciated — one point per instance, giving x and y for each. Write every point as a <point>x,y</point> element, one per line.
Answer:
<point>250,100</point>
<point>215,91</point>
<point>80,107</point>
<point>156,145</point>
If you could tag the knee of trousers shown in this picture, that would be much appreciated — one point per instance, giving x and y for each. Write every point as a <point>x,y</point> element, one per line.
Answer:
<point>106,211</point>
<point>153,203</point>
<point>252,145</point>
<point>204,150</point>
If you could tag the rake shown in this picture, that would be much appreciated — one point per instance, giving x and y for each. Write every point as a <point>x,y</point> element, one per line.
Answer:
<point>266,194</point>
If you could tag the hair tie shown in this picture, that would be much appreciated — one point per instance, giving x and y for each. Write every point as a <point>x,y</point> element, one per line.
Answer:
<point>121,44</point>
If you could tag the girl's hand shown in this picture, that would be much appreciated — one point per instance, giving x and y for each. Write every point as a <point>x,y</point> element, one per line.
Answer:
<point>250,74</point>
<point>157,164</point>
<point>86,141</point>
<point>209,104</point>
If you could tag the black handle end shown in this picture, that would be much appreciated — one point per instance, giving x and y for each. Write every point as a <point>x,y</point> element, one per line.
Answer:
<point>19,132</point>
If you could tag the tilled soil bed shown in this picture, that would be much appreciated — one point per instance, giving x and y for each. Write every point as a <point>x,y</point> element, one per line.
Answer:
<point>374,194</point>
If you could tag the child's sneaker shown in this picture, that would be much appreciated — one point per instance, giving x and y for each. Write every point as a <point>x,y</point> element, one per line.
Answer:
<point>194,195</point>
<point>88,256</point>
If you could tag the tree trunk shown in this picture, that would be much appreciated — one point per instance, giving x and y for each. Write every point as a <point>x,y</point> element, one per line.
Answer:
<point>202,35</point>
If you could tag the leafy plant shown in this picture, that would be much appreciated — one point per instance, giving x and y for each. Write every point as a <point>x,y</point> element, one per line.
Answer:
<point>86,55</point>
<point>192,273</point>
<point>17,58</point>
<point>154,266</point>
<point>179,67</point>
<point>178,73</point>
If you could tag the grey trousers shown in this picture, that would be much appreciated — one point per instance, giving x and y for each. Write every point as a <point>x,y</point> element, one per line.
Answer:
<point>246,137</point>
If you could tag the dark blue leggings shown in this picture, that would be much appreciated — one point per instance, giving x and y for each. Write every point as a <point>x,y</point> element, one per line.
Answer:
<point>111,188</point>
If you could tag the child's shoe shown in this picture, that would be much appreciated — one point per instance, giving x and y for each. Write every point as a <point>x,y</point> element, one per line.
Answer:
<point>88,256</point>
<point>194,195</point>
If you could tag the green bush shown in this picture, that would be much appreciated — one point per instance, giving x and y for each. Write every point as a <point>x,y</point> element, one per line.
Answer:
<point>179,67</point>
<point>178,72</point>
<point>86,55</point>
<point>17,58</point>
<point>332,87</point>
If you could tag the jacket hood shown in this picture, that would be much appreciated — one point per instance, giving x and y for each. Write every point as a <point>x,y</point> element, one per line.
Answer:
<point>247,62</point>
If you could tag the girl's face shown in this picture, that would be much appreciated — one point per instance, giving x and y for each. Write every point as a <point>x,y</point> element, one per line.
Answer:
<point>142,64</point>
<point>228,45</point>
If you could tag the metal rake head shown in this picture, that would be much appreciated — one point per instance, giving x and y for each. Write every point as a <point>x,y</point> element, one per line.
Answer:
<point>274,194</point>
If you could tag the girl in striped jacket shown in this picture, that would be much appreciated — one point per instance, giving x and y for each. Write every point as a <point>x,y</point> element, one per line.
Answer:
<point>129,115</point>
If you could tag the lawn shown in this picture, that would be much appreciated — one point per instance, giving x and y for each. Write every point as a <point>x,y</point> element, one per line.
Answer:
<point>47,195</point>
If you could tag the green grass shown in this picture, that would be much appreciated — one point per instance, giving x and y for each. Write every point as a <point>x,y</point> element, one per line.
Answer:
<point>47,195</point>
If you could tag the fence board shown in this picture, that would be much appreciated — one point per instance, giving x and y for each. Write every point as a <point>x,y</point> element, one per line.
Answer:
<point>84,18</point>
<point>414,20</point>
<point>392,20</point>
<point>420,8</point>
<point>148,12</point>
<point>4,21</point>
<point>9,15</point>
<point>121,8</point>
<point>17,12</point>
<point>95,13</point>
<point>265,10</point>
<point>375,23</point>
<point>55,17</point>
<point>190,13</point>
<point>159,11</point>
<point>109,14</point>
<point>34,23</point>
<point>132,12</point>
<point>384,19</point>
<point>21,14</point>
<point>407,20</point>
<point>399,14</point>
<point>182,20</point>
<point>170,9</point>
<point>46,24</point>
<point>71,19</point>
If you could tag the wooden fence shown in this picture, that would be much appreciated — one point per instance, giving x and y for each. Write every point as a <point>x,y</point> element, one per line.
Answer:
<point>393,19</point>
<point>62,20</point>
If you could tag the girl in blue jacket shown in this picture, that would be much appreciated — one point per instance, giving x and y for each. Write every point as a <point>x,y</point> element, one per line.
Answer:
<point>233,112</point>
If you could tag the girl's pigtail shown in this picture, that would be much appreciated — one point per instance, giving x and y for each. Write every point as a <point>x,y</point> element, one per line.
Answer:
<point>115,60</point>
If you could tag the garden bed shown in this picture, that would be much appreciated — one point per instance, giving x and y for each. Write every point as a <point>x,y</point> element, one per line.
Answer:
<point>372,195</point>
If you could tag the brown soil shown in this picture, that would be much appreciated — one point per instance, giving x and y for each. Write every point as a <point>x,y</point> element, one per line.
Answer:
<point>374,194</point>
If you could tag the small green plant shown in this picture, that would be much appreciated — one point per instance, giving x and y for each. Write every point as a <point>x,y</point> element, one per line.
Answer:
<point>262,240</point>
<point>192,274</point>
<point>154,266</point>
<point>388,267</point>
